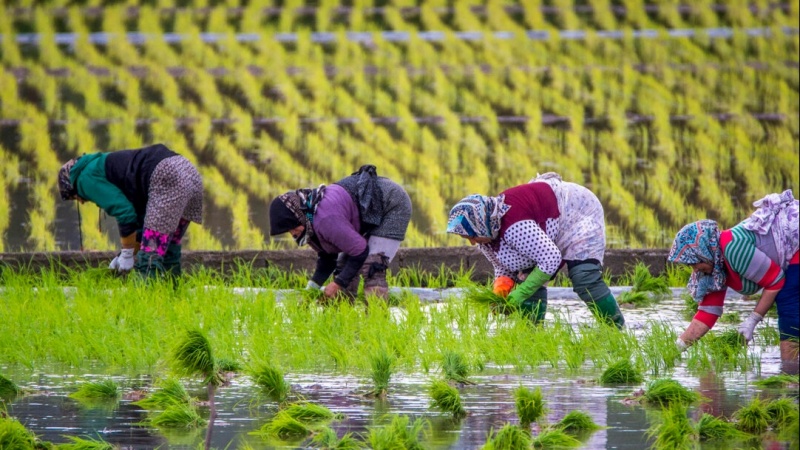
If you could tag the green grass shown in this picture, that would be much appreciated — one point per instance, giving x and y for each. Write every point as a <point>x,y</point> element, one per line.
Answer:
<point>101,390</point>
<point>510,437</point>
<point>529,404</point>
<point>621,372</point>
<point>446,398</point>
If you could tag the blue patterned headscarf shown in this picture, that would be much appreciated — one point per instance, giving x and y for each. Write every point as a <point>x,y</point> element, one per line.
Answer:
<point>699,242</point>
<point>477,216</point>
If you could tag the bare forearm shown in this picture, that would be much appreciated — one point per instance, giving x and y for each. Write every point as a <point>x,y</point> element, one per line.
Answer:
<point>694,331</point>
<point>765,302</point>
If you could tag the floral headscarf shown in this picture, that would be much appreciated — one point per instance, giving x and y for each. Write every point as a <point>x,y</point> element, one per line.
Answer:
<point>699,242</point>
<point>303,204</point>
<point>65,187</point>
<point>777,214</point>
<point>477,216</point>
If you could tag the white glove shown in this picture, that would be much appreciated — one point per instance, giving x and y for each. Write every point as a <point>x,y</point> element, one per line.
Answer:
<point>123,262</point>
<point>312,285</point>
<point>746,328</point>
<point>682,346</point>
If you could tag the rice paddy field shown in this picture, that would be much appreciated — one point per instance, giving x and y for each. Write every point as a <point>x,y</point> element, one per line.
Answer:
<point>88,360</point>
<point>671,112</point>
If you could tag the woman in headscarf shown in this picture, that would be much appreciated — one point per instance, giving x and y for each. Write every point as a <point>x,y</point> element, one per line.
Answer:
<point>154,194</point>
<point>529,231</point>
<point>760,253</point>
<point>355,225</point>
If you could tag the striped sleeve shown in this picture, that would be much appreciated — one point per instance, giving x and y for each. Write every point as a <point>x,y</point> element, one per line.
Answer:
<point>754,266</point>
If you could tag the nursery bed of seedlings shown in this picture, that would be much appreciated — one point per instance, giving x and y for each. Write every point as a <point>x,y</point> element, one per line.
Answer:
<point>372,365</point>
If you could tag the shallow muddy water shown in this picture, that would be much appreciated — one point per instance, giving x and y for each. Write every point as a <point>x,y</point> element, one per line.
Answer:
<point>52,415</point>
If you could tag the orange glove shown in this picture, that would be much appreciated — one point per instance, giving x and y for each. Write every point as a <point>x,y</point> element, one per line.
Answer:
<point>502,286</point>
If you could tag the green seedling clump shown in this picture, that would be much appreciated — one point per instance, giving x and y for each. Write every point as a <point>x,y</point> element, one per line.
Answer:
<point>483,295</point>
<point>529,404</point>
<point>284,426</point>
<point>577,421</point>
<point>666,391</point>
<point>621,372</point>
<point>455,367</point>
<point>555,439</point>
<point>778,381</point>
<point>401,433</point>
<point>510,437</point>
<point>634,298</point>
<point>180,416</point>
<point>14,435</point>
<point>86,444</point>
<point>753,417</point>
<point>710,428</point>
<point>102,390</point>
<point>782,412</point>
<point>8,389</point>
<point>271,381</point>
<point>674,431</point>
<point>446,398</point>
<point>327,439</point>
<point>307,412</point>
<point>382,367</point>
<point>168,392</point>
<point>228,365</point>
<point>193,356</point>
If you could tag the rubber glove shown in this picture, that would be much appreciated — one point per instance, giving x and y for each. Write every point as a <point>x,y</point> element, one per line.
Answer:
<point>123,262</point>
<point>682,346</point>
<point>502,286</point>
<point>312,285</point>
<point>746,328</point>
<point>524,290</point>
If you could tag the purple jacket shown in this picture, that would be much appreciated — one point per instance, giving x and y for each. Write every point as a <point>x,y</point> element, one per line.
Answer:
<point>337,224</point>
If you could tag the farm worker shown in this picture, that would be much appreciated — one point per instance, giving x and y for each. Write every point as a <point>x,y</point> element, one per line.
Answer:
<point>761,252</point>
<point>529,231</point>
<point>355,225</point>
<point>152,192</point>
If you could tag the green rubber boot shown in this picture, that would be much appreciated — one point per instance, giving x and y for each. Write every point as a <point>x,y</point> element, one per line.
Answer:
<point>607,310</point>
<point>149,265</point>
<point>172,260</point>
<point>535,306</point>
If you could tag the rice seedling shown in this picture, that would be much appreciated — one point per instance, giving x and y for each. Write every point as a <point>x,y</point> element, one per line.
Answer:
<point>710,428</point>
<point>400,433</point>
<point>674,430</point>
<point>555,439</point>
<point>455,367</point>
<point>284,426</point>
<point>8,389</point>
<point>665,392</point>
<point>753,417</point>
<point>677,275</point>
<point>446,398</point>
<point>782,412</point>
<point>228,365</point>
<point>577,421</point>
<point>382,365</point>
<point>307,412</point>
<point>778,381</point>
<point>177,416</point>
<point>621,372</point>
<point>101,390</point>
<point>510,437</point>
<point>483,295</point>
<point>328,440</point>
<point>14,435</point>
<point>169,391</point>
<point>529,405</point>
<point>634,298</point>
<point>86,444</point>
<point>730,317</point>
<point>271,381</point>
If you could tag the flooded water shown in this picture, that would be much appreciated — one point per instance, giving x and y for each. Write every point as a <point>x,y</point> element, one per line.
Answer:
<point>52,415</point>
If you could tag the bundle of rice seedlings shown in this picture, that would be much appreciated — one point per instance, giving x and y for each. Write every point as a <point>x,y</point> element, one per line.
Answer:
<point>710,428</point>
<point>307,412</point>
<point>382,368</point>
<point>328,440</point>
<point>228,365</point>
<point>576,421</point>
<point>777,381</point>
<point>782,412</point>
<point>666,391</point>
<point>192,356</point>
<point>169,391</point>
<point>408,432</point>
<point>8,389</point>
<point>483,295</point>
<point>643,281</point>
<point>621,372</point>
<point>674,431</point>
<point>730,317</point>
<point>634,298</point>
<point>446,398</point>
<point>271,381</point>
<point>509,437</point>
<point>101,390</point>
<point>555,439</point>
<point>753,417</point>
<point>455,367</point>
<point>14,435</point>
<point>529,404</point>
<point>85,444</point>
<point>177,416</point>
<point>283,426</point>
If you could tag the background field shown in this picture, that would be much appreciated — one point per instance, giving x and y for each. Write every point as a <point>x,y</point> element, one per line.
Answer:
<point>669,112</point>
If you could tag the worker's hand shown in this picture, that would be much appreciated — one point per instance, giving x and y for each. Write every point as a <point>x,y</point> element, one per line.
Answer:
<point>502,286</point>
<point>746,328</point>
<point>331,289</point>
<point>123,262</point>
<point>681,344</point>
<point>312,285</point>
